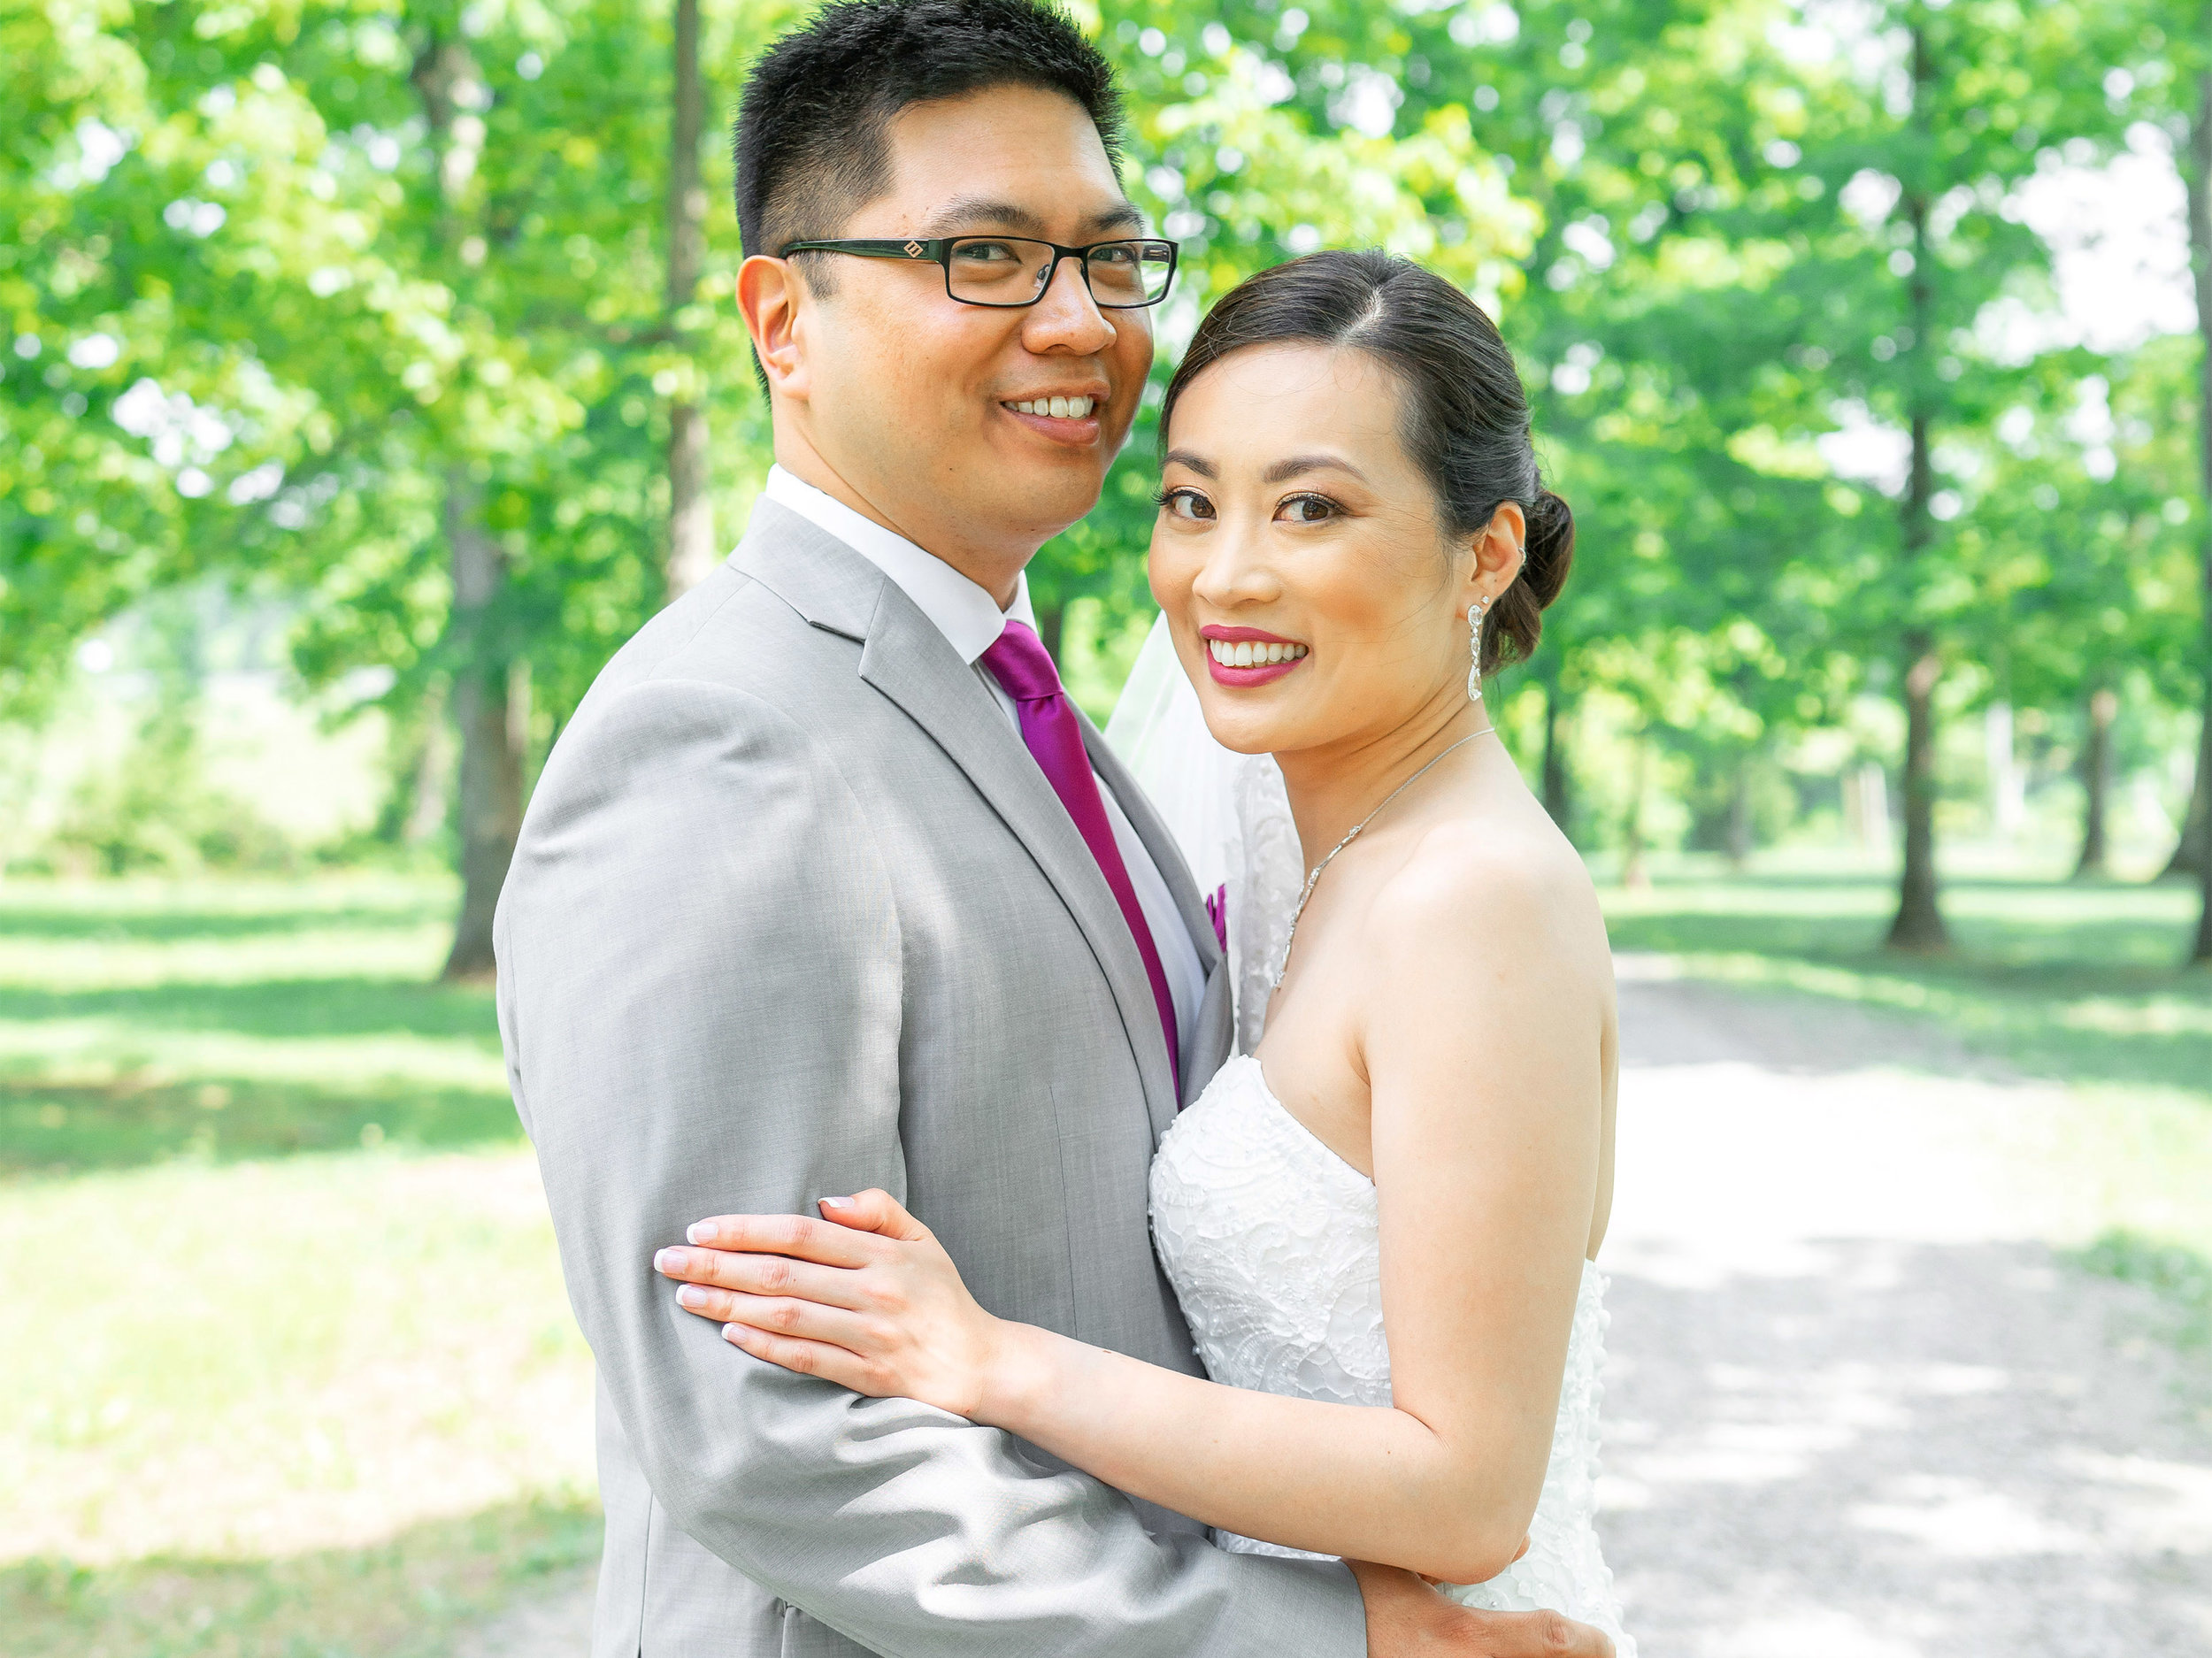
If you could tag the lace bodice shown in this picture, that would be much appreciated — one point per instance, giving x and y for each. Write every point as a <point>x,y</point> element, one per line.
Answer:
<point>1270,1241</point>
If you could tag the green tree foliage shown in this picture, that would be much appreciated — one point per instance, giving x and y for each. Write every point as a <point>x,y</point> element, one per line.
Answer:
<point>411,309</point>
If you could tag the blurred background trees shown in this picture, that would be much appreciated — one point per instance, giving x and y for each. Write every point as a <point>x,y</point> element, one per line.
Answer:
<point>386,347</point>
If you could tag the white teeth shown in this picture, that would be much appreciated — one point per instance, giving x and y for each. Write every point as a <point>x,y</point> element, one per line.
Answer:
<point>1057,408</point>
<point>1248,654</point>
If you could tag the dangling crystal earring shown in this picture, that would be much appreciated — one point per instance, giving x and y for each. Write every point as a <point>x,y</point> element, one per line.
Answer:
<point>1475,613</point>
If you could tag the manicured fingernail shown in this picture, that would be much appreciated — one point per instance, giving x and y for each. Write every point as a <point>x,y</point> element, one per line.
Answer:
<point>692,1295</point>
<point>837,1203</point>
<point>701,1232</point>
<point>733,1332</point>
<point>669,1260</point>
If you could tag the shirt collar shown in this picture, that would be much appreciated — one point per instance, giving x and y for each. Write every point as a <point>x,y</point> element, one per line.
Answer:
<point>965,613</point>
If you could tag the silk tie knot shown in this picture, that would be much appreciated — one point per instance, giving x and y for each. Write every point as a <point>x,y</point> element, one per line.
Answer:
<point>1018,660</point>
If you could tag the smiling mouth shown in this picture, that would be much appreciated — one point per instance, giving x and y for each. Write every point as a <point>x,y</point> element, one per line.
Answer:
<point>1245,653</point>
<point>1055,408</point>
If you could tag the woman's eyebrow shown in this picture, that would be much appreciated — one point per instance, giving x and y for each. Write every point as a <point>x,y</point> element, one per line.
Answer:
<point>1290,468</point>
<point>1198,464</point>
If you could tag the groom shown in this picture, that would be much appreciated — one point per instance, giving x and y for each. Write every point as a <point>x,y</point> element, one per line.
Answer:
<point>828,886</point>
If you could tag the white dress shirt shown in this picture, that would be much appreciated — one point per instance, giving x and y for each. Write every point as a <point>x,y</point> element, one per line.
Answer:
<point>971,620</point>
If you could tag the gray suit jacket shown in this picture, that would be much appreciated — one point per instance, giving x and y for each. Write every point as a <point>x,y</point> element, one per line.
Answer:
<point>794,914</point>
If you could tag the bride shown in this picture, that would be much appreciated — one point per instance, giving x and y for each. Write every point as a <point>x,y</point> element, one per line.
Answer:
<point>1381,1217</point>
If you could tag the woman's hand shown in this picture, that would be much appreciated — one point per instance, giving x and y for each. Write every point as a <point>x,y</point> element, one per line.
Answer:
<point>871,1302</point>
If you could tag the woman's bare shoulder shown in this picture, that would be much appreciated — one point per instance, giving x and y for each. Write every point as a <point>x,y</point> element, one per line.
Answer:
<point>1492,883</point>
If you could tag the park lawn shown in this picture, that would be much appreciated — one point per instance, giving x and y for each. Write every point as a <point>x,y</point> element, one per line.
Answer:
<point>286,1365</point>
<point>2076,984</point>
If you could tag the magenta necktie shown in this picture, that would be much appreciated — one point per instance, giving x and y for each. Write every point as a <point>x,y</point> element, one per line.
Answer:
<point>1018,659</point>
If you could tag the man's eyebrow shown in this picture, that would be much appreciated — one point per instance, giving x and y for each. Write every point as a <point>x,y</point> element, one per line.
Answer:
<point>1124,217</point>
<point>964,213</point>
<point>1283,470</point>
<point>1198,464</point>
<point>970,210</point>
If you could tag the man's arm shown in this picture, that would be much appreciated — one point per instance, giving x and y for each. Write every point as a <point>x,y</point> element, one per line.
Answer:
<point>700,994</point>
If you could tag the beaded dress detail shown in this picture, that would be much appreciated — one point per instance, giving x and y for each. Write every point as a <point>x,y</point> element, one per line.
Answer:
<point>1272,1242</point>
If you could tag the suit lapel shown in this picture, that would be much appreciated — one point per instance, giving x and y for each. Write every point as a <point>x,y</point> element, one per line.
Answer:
<point>904,657</point>
<point>1166,855</point>
<point>908,660</point>
<point>1214,1034</point>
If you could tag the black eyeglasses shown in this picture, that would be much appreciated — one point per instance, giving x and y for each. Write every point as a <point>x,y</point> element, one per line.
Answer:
<point>1011,272</point>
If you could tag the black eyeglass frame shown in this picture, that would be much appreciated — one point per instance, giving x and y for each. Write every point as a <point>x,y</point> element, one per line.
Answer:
<point>938,250</point>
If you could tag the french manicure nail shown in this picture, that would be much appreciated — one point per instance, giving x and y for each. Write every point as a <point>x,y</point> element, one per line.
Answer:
<point>837,1203</point>
<point>692,1295</point>
<point>701,1232</point>
<point>669,1261</point>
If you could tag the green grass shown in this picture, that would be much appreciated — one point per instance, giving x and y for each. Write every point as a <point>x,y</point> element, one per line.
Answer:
<point>2076,984</point>
<point>2182,1277</point>
<point>406,1597</point>
<point>140,1021</point>
<point>286,1365</point>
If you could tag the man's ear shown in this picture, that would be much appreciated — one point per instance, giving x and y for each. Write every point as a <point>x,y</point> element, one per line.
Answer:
<point>772,295</point>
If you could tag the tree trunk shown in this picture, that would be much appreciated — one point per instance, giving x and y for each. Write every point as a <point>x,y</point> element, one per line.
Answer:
<point>2008,800</point>
<point>2200,257</point>
<point>690,508</point>
<point>434,776</point>
<point>1634,875</point>
<point>1919,921</point>
<point>2096,781</point>
<point>491,706</point>
<point>1051,624</point>
<point>1556,785</point>
<point>1739,824</point>
<point>2192,845</point>
<point>445,76</point>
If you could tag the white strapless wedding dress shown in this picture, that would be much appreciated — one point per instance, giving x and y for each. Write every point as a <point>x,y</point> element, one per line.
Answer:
<point>1270,1241</point>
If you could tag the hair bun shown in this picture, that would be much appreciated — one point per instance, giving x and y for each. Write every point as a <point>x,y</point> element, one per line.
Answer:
<point>1517,621</point>
<point>1550,548</point>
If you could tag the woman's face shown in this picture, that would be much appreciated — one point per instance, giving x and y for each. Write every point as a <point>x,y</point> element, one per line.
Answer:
<point>1297,540</point>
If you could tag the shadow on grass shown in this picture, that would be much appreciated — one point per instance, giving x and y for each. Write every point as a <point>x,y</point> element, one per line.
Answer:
<point>2059,983</point>
<point>53,1128</point>
<point>276,1007</point>
<point>2181,1277</point>
<point>2116,952</point>
<point>55,924</point>
<point>406,1598</point>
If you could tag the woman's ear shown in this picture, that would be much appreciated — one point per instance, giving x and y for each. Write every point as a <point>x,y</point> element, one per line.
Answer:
<point>1500,550</point>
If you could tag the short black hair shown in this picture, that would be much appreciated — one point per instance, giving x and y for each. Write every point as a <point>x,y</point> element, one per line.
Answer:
<point>812,122</point>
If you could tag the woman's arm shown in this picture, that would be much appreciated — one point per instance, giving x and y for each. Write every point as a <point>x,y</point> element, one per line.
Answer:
<point>1483,1056</point>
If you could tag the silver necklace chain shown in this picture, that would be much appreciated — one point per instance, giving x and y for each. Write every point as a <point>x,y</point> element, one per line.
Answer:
<point>1313,880</point>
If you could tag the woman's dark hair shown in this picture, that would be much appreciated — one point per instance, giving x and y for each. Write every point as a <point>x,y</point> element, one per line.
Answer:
<point>1465,416</point>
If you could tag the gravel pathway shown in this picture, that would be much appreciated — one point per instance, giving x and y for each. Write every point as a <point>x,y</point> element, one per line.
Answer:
<point>1855,1408</point>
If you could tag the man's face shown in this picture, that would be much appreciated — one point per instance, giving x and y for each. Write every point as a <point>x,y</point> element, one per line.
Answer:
<point>909,396</point>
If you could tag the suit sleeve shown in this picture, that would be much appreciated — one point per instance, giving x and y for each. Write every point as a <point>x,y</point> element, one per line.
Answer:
<point>700,995</point>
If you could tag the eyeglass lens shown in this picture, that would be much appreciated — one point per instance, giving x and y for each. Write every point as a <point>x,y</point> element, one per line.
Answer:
<point>1012,271</point>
